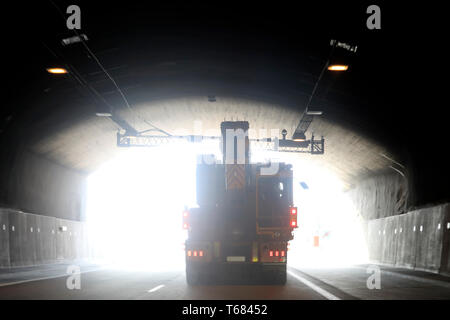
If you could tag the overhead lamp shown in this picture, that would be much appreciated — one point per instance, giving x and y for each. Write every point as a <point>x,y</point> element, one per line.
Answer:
<point>103,114</point>
<point>299,136</point>
<point>338,67</point>
<point>314,113</point>
<point>56,70</point>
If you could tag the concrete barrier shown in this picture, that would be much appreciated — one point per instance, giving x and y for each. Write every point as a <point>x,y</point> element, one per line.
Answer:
<point>4,239</point>
<point>445,267</point>
<point>417,240</point>
<point>388,254</point>
<point>30,239</point>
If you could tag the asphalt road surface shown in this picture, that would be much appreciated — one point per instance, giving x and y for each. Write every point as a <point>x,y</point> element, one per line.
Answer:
<point>50,282</point>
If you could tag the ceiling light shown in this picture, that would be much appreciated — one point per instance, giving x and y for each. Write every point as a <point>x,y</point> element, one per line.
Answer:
<point>299,136</point>
<point>56,70</point>
<point>337,67</point>
<point>103,114</point>
<point>314,113</point>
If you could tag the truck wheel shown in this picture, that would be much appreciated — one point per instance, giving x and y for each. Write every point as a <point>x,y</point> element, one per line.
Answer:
<point>192,276</point>
<point>280,277</point>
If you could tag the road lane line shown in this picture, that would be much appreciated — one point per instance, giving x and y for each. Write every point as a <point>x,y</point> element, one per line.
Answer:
<point>44,278</point>
<point>316,288</point>
<point>156,288</point>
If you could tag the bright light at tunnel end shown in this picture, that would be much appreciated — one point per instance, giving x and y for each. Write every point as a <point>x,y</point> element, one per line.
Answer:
<point>136,200</point>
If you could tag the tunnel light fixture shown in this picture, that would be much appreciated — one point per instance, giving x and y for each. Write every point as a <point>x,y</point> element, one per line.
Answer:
<point>314,113</point>
<point>299,136</point>
<point>56,70</point>
<point>338,67</point>
<point>103,114</point>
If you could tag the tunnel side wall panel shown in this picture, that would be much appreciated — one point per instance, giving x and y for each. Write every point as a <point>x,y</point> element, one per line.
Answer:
<point>4,239</point>
<point>389,240</point>
<point>402,236</point>
<point>417,240</point>
<point>31,239</point>
<point>445,267</point>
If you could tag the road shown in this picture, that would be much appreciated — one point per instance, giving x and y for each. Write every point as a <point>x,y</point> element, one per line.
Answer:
<point>310,284</point>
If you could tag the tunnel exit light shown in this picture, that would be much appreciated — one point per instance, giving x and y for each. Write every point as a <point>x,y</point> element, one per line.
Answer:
<point>338,67</point>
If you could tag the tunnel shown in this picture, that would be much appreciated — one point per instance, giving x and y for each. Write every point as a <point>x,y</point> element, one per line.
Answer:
<point>160,71</point>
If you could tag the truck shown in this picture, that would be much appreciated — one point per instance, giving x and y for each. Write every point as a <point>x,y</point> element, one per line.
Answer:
<point>244,218</point>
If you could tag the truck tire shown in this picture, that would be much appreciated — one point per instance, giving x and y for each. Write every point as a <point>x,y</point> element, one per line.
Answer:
<point>277,276</point>
<point>192,276</point>
<point>280,277</point>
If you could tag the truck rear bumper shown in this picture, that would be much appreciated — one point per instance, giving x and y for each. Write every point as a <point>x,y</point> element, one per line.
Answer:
<point>242,272</point>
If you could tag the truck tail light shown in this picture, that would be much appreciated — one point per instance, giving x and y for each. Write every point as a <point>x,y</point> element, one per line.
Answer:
<point>195,253</point>
<point>282,253</point>
<point>271,253</point>
<point>200,253</point>
<point>277,253</point>
<point>185,220</point>
<point>293,217</point>
<point>189,253</point>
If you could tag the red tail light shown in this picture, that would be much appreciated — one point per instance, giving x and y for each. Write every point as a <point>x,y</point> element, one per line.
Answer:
<point>293,218</point>
<point>200,253</point>
<point>189,253</point>
<point>271,253</point>
<point>185,220</point>
<point>277,253</point>
<point>195,253</point>
<point>282,253</point>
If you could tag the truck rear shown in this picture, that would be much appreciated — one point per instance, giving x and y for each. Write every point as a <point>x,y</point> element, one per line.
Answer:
<point>245,216</point>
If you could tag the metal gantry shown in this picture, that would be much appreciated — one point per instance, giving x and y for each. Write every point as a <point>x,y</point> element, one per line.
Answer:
<point>312,146</point>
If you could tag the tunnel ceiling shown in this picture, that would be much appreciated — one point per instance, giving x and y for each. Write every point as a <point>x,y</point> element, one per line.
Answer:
<point>89,143</point>
<point>261,65</point>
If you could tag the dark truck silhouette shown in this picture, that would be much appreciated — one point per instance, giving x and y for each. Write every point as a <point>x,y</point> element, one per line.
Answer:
<point>244,219</point>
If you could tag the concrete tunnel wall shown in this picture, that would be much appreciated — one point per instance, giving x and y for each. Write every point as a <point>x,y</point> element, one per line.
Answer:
<point>28,239</point>
<point>43,208</point>
<point>381,195</point>
<point>38,185</point>
<point>397,236</point>
<point>419,239</point>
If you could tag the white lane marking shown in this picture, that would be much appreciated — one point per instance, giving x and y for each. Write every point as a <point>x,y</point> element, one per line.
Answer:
<point>317,289</point>
<point>156,288</point>
<point>44,278</point>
